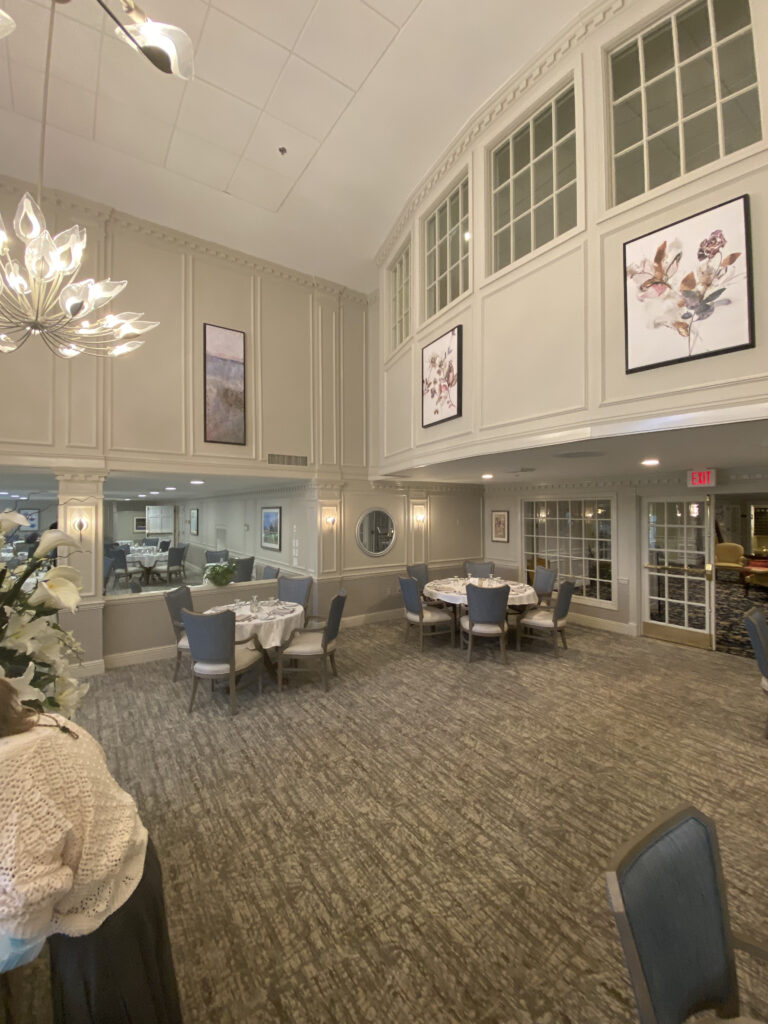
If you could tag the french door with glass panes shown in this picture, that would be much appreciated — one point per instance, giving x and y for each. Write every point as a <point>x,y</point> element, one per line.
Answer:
<point>574,537</point>
<point>677,571</point>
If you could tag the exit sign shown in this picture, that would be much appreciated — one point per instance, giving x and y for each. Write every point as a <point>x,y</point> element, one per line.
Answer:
<point>701,477</point>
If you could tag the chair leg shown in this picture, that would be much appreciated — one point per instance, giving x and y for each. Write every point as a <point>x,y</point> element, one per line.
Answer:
<point>562,637</point>
<point>421,637</point>
<point>333,662</point>
<point>503,646</point>
<point>178,666</point>
<point>554,643</point>
<point>280,671</point>
<point>405,634</point>
<point>453,633</point>
<point>232,692</point>
<point>518,633</point>
<point>325,672</point>
<point>469,646</point>
<point>194,691</point>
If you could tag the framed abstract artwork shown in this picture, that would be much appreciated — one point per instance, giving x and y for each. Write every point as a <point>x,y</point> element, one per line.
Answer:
<point>224,366</point>
<point>33,517</point>
<point>139,524</point>
<point>688,289</point>
<point>441,378</point>
<point>271,528</point>
<point>500,527</point>
<point>194,522</point>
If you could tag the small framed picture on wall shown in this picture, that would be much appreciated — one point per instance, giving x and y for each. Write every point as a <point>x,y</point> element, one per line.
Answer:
<point>271,528</point>
<point>194,525</point>
<point>500,527</point>
<point>139,524</point>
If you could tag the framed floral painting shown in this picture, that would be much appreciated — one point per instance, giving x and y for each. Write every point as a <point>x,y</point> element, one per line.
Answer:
<point>194,522</point>
<point>688,289</point>
<point>500,527</point>
<point>271,528</point>
<point>441,378</point>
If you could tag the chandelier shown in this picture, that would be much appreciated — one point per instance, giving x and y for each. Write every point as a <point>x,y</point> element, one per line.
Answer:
<point>38,294</point>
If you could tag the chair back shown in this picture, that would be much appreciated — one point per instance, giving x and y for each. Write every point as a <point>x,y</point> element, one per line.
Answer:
<point>544,581</point>
<point>243,569</point>
<point>296,589</point>
<point>217,556</point>
<point>481,570</point>
<point>134,586</point>
<point>667,892</point>
<point>164,545</point>
<point>211,637</point>
<point>757,631</point>
<point>410,590</point>
<point>487,604</point>
<point>725,551</point>
<point>118,559</point>
<point>563,603</point>
<point>151,542</point>
<point>175,557</point>
<point>418,572</point>
<point>333,621</point>
<point>108,568</point>
<point>269,572</point>
<point>177,601</point>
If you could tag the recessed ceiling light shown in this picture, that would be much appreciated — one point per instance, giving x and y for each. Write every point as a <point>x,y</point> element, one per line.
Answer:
<point>14,495</point>
<point>197,481</point>
<point>487,476</point>
<point>126,499</point>
<point>142,495</point>
<point>154,492</point>
<point>4,494</point>
<point>170,488</point>
<point>649,462</point>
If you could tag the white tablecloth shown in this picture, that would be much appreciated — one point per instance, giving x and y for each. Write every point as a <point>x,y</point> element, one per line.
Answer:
<point>147,558</point>
<point>272,621</point>
<point>454,590</point>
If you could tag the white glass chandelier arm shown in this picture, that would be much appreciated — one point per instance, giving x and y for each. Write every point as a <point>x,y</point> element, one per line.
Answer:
<point>29,221</point>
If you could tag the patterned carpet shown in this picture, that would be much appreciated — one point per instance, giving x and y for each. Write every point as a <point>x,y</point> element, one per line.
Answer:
<point>731,605</point>
<point>426,842</point>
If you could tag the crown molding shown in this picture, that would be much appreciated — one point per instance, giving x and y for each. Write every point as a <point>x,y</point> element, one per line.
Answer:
<point>498,106</point>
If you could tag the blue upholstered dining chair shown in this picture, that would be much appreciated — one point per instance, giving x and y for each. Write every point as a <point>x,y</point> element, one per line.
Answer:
<point>313,644</point>
<point>177,601</point>
<point>544,583</point>
<point>486,616</point>
<point>480,570</point>
<point>667,892</point>
<point>418,572</point>
<point>295,589</point>
<point>550,621</point>
<point>243,569</point>
<point>269,572</point>
<point>420,616</point>
<point>121,569</point>
<point>757,631</point>
<point>174,566</point>
<point>151,542</point>
<point>217,556</point>
<point>215,655</point>
<point>108,567</point>
<point>164,545</point>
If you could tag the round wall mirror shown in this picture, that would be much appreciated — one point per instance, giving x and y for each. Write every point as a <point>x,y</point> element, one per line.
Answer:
<point>375,531</point>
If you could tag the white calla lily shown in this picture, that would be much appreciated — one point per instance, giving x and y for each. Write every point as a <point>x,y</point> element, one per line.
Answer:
<point>10,520</point>
<point>21,683</point>
<point>64,572</point>
<point>56,593</point>
<point>54,539</point>
<point>68,693</point>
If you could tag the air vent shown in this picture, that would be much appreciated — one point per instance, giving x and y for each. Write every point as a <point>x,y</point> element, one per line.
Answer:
<point>579,455</point>
<point>287,460</point>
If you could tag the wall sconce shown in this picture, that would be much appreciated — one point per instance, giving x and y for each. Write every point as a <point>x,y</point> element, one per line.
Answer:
<point>80,524</point>
<point>329,517</point>
<point>419,514</point>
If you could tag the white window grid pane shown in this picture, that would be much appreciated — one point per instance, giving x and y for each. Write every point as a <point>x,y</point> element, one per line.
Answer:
<point>570,545</point>
<point>447,261</point>
<point>401,297</point>
<point>712,49</point>
<point>526,206</point>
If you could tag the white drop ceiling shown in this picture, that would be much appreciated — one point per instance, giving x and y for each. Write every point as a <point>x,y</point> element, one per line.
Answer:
<point>364,96</point>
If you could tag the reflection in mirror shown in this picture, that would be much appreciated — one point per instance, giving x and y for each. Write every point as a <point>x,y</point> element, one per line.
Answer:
<point>375,531</point>
<point>143,549</point>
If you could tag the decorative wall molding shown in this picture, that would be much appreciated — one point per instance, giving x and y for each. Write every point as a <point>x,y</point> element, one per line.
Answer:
<point>498,106</point>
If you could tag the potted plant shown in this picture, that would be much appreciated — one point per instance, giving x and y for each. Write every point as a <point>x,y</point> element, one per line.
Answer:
<point>220,574</point>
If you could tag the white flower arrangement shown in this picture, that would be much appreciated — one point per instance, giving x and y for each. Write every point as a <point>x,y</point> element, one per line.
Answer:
<point>35,652</point>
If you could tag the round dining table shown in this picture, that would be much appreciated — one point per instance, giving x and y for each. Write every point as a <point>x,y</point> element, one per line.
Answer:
<point>147,558</point>
<point>454,590</point>
<point>271,621</point>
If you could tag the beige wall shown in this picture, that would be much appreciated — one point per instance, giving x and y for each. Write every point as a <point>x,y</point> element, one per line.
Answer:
<point>544,338</point>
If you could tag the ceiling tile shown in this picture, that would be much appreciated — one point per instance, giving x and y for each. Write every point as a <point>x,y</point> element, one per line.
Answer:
<point>266,140</point>
<point>187,14</point>
<point>6,99</point>
<point>307,99</point>
<point>197,159</point>
<point>124,127</point>
<point>394,10</point>
<point>345,38</point>
<point>279,21</point>
<point>75,46</point>
<point>69,107</point>
<point>214,115</point>
<point>260,185</point>
<point>237,59</point>
<point>86,13</point>
<point>127,77</point>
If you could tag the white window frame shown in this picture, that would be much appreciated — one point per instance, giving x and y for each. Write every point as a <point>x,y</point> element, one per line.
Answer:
<point>547,101</point>
<point>401,292</point>
<point>596,497</point>
<point>465,247</point>
<point>723,158</point>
